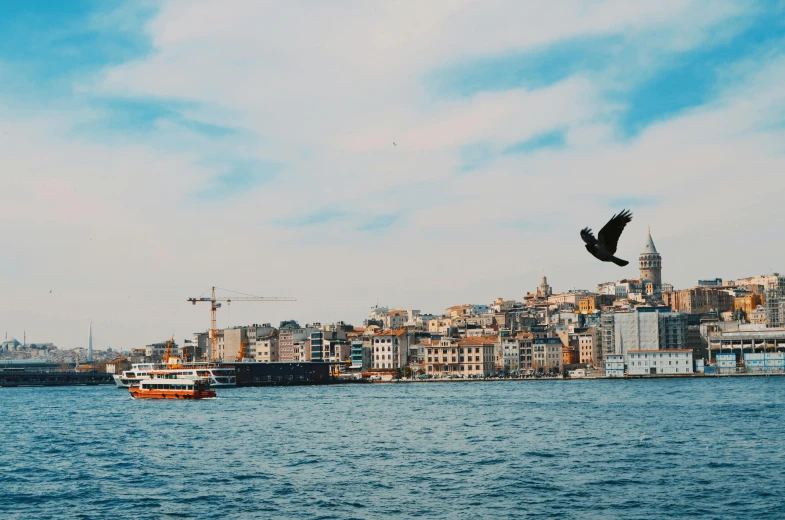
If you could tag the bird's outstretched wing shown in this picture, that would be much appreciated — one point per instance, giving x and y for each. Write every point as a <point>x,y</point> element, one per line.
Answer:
<point>610,233</point>
<point>588,237</point>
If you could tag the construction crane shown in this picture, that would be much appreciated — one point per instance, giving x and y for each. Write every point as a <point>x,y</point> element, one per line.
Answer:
<point>215,305</point>
<point>242,354</point>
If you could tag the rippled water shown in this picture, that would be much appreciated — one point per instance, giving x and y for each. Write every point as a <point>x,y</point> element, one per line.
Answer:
<point>547,449</point>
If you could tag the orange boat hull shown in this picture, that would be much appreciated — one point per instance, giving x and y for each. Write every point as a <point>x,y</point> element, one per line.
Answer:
<point>170,394</point>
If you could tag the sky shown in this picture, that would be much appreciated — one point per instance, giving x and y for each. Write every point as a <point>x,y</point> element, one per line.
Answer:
<point>150,150</point>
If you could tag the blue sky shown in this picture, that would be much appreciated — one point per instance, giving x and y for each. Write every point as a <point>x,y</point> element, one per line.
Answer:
<point>251,148</point>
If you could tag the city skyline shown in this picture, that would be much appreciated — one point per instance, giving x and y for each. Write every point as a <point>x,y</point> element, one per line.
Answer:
<point>151,151</point>
<point>649,263</point>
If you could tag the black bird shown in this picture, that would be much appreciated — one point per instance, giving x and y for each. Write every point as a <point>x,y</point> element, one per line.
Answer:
<point>605,248</point>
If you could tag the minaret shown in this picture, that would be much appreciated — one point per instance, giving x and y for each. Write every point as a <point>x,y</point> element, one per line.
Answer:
<point>651,264</point>
<point>90,344</point>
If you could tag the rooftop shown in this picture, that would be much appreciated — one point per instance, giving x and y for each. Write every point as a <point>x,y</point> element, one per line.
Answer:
<point>477,340</point>
<point>649,248</point>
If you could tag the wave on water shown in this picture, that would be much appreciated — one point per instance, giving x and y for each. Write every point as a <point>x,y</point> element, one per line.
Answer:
<point>381,451</point>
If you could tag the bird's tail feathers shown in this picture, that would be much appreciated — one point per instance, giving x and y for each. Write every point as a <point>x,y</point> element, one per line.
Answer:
<point>619,261</point>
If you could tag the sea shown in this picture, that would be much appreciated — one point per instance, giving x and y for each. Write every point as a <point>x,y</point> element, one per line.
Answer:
<point>710,448</point>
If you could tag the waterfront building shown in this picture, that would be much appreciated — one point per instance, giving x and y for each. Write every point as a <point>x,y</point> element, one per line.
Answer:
<point>390,349</point>
<point>316,345</point>
<point>650,264</point>
<point>655,362</point>
<point>265,349</point>
<point>302,351</point>
<point>742,341</point>
<point>509,355</point>
<point>648,328</point>
<point>525,340</point>
<point>546,354</point>
<point>568,356</point>
<point>764,362</point>
<point>587,344</point>
<point>291,339</point>
<point>257,341</point>
<point>614,365</point>
<point>200,342</point>
<point>336,350</point>
<point>233,340</point>
<point>360,356</point>
<point>461,356</point>
<point>726,363</point>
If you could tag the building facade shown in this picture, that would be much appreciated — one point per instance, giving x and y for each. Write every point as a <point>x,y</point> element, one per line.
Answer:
<point>546,354</point>
<point>649,328</point>
<point>614,365</point>
<point>390,349</point>
<point>464,357</point>
<point>654,362</point>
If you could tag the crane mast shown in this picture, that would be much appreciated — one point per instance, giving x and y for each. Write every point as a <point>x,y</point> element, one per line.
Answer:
<point>214,306</point>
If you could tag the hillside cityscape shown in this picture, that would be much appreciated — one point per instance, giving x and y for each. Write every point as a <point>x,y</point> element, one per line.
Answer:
<point>639,326</point>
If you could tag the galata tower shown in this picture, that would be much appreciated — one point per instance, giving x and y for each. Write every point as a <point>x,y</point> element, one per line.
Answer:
<point>651,264</point>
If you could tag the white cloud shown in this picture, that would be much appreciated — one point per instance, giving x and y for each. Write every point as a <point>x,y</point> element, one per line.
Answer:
<point>325,91</point>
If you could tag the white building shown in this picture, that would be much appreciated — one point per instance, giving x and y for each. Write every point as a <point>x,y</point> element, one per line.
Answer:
<point>509,354</point>
<point>655,362</point>
<point>607,288</point>
<point>614,365</point>
<point>764,362</point>
<point>390,349</point>
<point>726,363</point>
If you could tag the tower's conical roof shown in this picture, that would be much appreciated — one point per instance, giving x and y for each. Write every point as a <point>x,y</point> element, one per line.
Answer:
<point>649,248</point>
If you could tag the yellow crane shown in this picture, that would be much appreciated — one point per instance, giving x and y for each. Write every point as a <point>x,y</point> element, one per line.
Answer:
<point>215,305</point>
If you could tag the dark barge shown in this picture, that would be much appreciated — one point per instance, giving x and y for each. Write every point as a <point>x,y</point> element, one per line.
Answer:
<point>20,377</point>
<point>282,373</point>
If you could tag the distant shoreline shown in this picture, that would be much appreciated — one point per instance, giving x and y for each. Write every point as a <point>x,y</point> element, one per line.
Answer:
<point>625,378</point>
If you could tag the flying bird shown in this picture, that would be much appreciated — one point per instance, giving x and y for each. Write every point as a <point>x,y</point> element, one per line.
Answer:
<point>604,247</point>
<point>50,291</point>
<point>394,144</point>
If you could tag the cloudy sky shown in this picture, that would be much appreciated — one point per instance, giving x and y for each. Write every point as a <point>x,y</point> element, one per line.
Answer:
<point>151,150</point>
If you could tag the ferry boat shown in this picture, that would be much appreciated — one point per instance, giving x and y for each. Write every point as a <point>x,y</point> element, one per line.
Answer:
<point>218,375</point>
<point>139,371</point>
<point>162,384</point>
